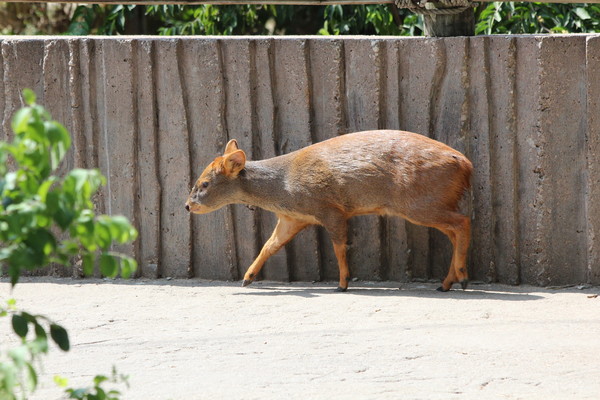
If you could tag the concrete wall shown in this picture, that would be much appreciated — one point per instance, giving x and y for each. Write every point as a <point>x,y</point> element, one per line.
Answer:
<point>152,112</point>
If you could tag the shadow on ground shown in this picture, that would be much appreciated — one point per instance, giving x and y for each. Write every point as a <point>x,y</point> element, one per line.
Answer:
<point>428,292</point>
<point>475,291</point>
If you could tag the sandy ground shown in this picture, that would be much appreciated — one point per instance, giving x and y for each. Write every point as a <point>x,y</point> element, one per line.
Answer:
<point>191,339</point>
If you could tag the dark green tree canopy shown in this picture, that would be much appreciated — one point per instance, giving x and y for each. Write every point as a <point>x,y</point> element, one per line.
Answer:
<point>373,19</point>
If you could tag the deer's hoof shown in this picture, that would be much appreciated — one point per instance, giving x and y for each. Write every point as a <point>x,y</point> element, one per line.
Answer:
<point>464,283</point>
<point>246,282</point>
<point>441,289</point>
<point>340,289</point>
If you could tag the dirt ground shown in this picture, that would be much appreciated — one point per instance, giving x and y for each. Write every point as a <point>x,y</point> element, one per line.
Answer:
<point>190,339</point>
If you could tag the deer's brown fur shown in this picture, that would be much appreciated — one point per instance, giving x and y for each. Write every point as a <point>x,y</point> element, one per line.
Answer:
<point>382,172</point>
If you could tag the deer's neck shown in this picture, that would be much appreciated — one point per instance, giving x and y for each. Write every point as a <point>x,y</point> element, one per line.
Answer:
<point>262,184</point>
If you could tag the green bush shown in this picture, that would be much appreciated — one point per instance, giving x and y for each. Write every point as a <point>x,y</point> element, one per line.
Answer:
<point>47,219</point>
<point>360,19</point>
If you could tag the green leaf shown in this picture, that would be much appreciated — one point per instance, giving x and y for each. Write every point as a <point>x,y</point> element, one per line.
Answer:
<point>102,234</point>
<point>98,379</point>
<point>21,120</point>
<point>582,13</point>
<point>14,272</point>
<point>40,332</point>
<point>8,377</point>
<point>20,325</point>
<point>29,96</point>
<point>108,266</point>
<point>60,336</point>
<point>19,355</point>
<point>128,267</point>
<point>26,257</point>
<point>28,317</point>
<point>60,141</point>
<point>45,188</point>
<point>88,264</point>
<point>120,229</point>
<point>60,381</point>
<point>32,376</point>
<point>42,242</point>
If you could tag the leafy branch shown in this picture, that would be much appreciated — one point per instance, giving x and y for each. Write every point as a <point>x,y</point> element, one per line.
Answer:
<point>46,218</point>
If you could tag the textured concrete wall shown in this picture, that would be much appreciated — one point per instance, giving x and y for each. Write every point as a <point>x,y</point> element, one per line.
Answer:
<point>151,112</point>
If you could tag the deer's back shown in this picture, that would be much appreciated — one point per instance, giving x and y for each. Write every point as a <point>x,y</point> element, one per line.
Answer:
<point>385,172</point>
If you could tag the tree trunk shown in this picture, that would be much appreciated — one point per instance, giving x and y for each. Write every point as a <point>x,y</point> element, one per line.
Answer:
<point>443,25</point>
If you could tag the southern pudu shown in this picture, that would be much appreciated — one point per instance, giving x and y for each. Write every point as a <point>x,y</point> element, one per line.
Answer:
<point>384,172</point>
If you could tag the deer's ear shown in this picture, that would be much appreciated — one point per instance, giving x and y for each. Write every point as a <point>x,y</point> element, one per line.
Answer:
<point>232,146</point>
<point>233,163</point>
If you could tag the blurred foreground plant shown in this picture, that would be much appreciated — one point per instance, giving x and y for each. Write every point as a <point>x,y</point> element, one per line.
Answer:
<point>47,219</point>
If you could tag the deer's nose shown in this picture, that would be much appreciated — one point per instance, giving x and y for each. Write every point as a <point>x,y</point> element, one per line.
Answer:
<point>187,207</point>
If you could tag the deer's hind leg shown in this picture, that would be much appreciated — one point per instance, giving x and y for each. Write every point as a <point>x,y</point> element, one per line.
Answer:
<point>458,229</point>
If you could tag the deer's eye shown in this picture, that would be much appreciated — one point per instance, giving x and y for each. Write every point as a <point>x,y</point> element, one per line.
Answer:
<point>204,185</point>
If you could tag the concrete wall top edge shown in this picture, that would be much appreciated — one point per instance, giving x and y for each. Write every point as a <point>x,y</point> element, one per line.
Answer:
<point>284,38</point>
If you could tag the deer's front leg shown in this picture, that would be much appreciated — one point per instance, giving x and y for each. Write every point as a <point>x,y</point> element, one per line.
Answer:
<point>285,230</point>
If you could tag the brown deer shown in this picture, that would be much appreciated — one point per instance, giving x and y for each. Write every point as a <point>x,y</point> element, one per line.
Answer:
<point>382,172</point>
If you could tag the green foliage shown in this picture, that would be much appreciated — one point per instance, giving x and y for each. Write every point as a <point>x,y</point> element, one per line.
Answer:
<point>211,19</point>
<point>515,18</point>
<point>46,219</point>
<point>99,19</point>
<point>370,19</point>
<point>35,204</point>
<point>18,372</point>
<point>244,20</point>
<point>95,392</point>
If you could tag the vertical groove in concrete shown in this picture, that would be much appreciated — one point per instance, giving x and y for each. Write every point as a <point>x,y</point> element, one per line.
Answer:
<point>418,78</point>
<point>394,244</point>
<point>564,164</point>
<point>136,178</point>
<point>439,74</point>
<point>214,247</point>
<point>236,72</point>
<point>276,266</point>
<point>503,205</point>
<point>75,110</point>
<point>88,102</point>
<point>54,83</point>
<point>119,134</point>
<point>99,100</point>
<point>308,254</point>
<point>235,248</point>
<point>3,132</point>
<point>530,146</point>
<point>255,137</point>
<point>480,150</point>
<point>363,112</point>
<point>176,237</point>
<point>75,95</point>
<point>326,65</point>
<point>55,68</point>
<point>292,104</point>
<point>7,107</point>
<point>592,192</point>
<point>382,236</point>
<point>514,265</point>
<point>394,240</point>
<point>149,191</point>
<point>446,97</point>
